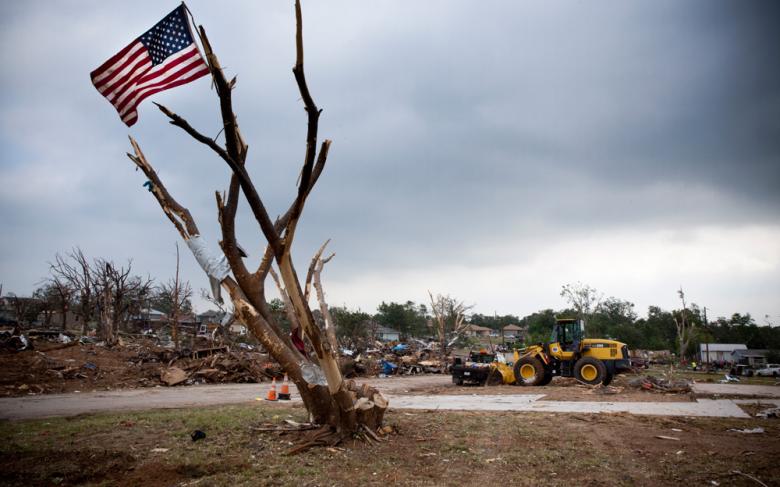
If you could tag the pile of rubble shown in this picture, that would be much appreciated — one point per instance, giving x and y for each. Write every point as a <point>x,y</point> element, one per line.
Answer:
<point>659,384</point>
<point>220,366</point>
<point>50,361</point>
<point>56,363</point>
<point>414,357</point>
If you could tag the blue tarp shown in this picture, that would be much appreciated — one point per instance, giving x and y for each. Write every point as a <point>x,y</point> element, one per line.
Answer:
<point>388,368</point>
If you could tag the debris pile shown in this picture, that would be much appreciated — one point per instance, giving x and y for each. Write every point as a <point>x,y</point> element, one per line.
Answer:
<point>414,357</point>
<point>58,363</point>
<point>10,342</point>
<point>663,385</point>
<point>50,361</point>
<point>221,367</point>
<point>769,413</point>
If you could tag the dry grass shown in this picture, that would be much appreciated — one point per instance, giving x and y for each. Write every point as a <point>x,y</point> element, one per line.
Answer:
<point>429,448</point>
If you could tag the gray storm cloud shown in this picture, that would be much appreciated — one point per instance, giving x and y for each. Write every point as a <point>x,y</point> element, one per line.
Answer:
<point>472,135</point>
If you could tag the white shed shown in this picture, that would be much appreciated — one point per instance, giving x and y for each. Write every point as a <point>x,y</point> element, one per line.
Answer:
<point>718,352</point>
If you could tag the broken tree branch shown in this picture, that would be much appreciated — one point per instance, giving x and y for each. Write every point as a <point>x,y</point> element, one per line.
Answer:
<point>177,214</point>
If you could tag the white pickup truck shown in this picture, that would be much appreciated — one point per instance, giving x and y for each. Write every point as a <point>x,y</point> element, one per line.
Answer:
<point>771,370</point>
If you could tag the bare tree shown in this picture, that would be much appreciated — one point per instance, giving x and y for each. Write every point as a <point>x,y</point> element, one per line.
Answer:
<point>64,293</point>
<point>583,298</point>
<point>179,293</point>
<point>685,326</point>
<point>449,316</point>
<point>341,407</point>
<point>24,309</point>
<point>120,295</point>
<point>74,270</point>
<point>45,303</point>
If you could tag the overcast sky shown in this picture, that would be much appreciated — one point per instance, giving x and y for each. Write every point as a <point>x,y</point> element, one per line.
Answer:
<point>486,149</point>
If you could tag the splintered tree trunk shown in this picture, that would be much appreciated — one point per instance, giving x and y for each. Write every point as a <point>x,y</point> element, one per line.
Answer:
<point>343,408</point>
<point>107,332</point>
<point>64,322</point>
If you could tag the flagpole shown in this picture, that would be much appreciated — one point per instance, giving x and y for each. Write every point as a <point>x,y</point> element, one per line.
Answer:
<point>194,27</point>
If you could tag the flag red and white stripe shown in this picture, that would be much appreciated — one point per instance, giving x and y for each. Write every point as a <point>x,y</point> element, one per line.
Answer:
<point>164,57</point>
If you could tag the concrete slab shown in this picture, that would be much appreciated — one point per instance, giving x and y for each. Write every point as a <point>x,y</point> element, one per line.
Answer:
<point>721,408</point>
<point>515,402</point>
<point>736,389</point>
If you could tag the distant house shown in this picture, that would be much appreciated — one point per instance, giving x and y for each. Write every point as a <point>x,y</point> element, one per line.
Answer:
<point>718,352</point>
<point>7,312</point>
<point>478,331</point>
<point>72,319</point>
<point>211,316</point>
<point>513,332</point>
<point>754,357</point>
<point>385,334</point>
<point>237,328</point>
<point>149,319</point>
<point>11,306</point>
<point>189,320</point>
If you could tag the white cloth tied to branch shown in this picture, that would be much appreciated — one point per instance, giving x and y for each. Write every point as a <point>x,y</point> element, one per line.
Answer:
<point>227,319</point>
<point>213,264</point>
<point>312,374</point>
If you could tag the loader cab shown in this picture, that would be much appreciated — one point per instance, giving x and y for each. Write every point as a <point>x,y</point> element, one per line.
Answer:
<point>568,333</point>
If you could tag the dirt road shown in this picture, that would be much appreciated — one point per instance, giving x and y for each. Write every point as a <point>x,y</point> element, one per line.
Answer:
<point>416,392</point>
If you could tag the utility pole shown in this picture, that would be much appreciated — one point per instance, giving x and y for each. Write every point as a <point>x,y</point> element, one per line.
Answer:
<point>707,346</point>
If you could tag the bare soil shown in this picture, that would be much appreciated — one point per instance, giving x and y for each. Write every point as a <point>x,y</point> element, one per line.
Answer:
<point>75,368</point>
<point>566,389</point>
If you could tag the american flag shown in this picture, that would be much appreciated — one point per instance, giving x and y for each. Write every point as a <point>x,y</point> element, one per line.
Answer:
<point>163,57</point>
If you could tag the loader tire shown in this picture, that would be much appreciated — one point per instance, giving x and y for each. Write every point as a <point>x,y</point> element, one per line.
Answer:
<point>548,377</point>
<point>608,378</point>
<point>590,370</point>
<point>529,371</point>
<point>495,378</point>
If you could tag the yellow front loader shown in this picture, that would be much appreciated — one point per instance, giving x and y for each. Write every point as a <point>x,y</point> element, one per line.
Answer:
<point>567,354</point>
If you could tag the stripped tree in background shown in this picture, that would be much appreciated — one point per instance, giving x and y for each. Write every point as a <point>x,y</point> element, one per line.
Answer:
<point>74,270</point>
<point>341,407</point>
<point>120,295</point>
<point>584,298</point>
<point>449,316</point>
<point>177,295</point>
<point>685,326</point>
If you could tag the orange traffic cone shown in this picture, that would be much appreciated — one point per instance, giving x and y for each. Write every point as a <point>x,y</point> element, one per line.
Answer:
<point>272,391</point>
<point>284,394</point>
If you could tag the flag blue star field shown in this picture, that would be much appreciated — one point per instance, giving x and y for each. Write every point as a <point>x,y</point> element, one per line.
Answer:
<point>163,57</point>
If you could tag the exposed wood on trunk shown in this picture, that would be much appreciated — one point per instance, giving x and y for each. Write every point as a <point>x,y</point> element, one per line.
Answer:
<point>288,307</point>
<point>317,265</point>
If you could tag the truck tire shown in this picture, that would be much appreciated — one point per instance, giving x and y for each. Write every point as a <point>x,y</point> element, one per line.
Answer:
<point>608,378</point>
<point>590,370</point>
<point>529,371</point>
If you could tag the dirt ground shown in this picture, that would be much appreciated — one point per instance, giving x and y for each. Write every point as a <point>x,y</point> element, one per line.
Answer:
<point>566,389</point>
<point>426,448</point>
<point>75,368</point>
